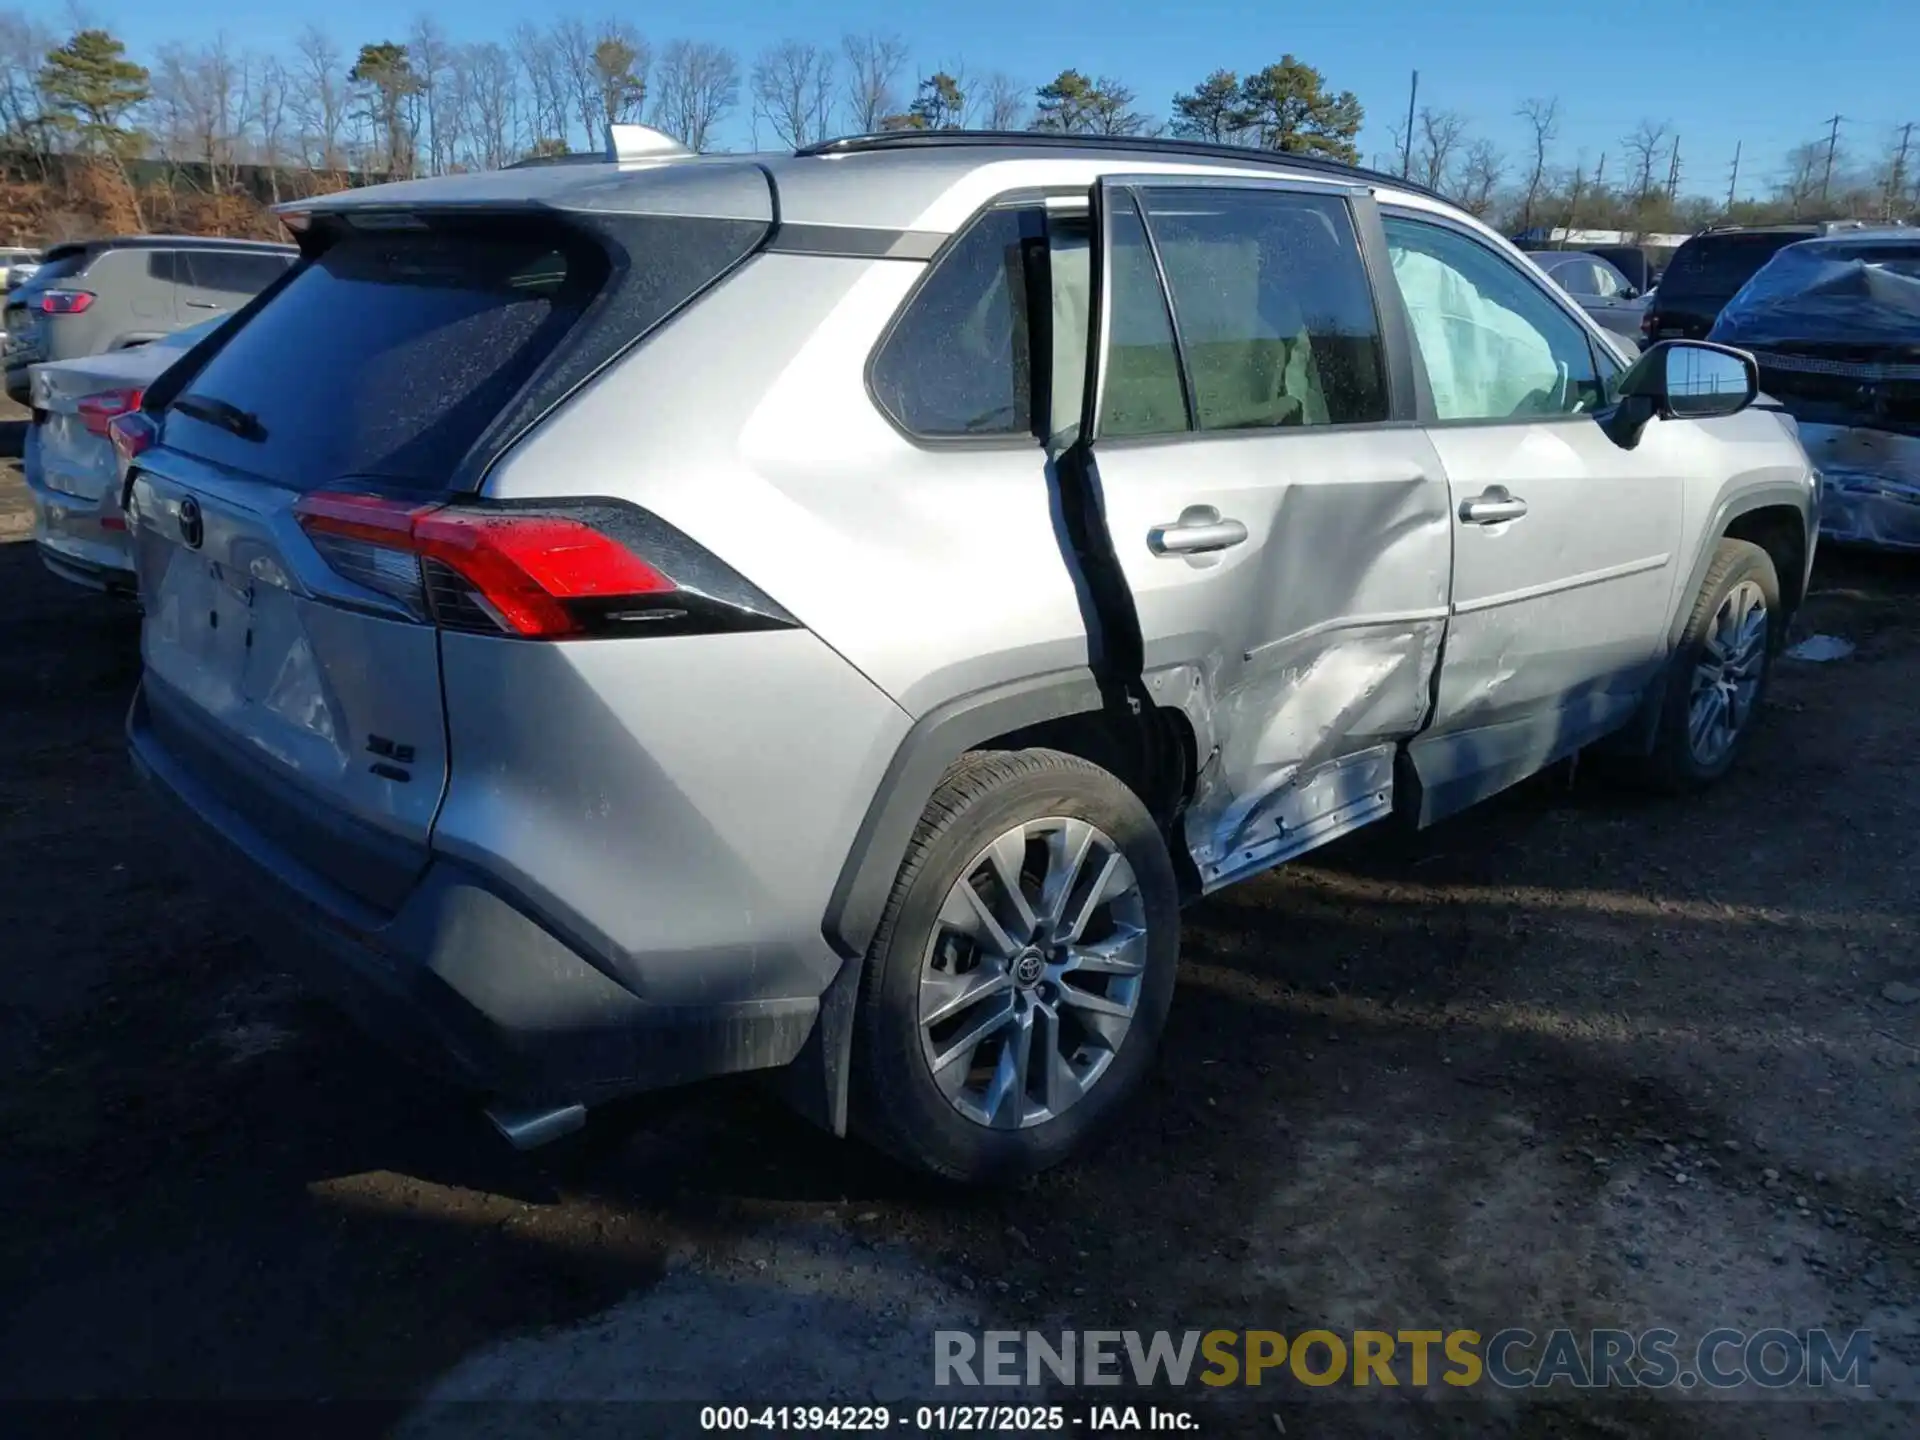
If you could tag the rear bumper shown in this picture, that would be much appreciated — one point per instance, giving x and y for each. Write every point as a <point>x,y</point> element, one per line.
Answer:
<point>72,539</point>
<point>463,981</point>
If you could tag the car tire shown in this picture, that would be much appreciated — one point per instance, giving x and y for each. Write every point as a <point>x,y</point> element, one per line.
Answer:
<point>1728,646</point>
<point>956,955</point>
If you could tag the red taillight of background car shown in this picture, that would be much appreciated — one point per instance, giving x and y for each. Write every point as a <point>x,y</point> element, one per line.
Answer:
<point>536,575</point>
<point>97,410</point>
<point>65,302</point>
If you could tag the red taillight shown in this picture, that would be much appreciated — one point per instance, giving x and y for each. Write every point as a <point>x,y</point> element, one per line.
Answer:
<point>527,574</point>
<point>132,433</point>
<point>64,302</point>
<point>97,411</point>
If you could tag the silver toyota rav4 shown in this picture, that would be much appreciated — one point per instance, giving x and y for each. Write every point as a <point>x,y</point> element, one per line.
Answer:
<point>827,612</point>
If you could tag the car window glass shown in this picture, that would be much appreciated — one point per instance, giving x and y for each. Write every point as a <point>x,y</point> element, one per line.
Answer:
<point>957,361</point>
<point>1607,281</point>
<point>161,266</point>
<point>1273,307</point>
<point>230,273</point>
<point>1495,346</point>
<point>1573,276</point>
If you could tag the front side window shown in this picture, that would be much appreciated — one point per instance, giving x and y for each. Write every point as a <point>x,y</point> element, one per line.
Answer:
<point>1273,308</point>
<point>1495,346</point>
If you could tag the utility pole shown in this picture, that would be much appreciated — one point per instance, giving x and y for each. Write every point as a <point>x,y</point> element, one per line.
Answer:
<point>1897,176</point>
<point>1733,179</point>
<point>1673,171</point>
<point>1406,148</point>
<point>1833,142</point>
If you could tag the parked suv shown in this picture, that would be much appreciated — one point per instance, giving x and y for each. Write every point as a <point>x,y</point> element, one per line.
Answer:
<point>1708,271</point>
<point>641,622</point>
<point>101,295</point>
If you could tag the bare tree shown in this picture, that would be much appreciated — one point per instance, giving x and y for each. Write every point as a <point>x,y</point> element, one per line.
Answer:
<point>269,120</point>
<point>488,98</point>
<point>546,81</point>
<point>431,53</point>
<point>1543,126</point>
<point>793,91</point>
<point>201,98</point>
<point>1436,139</point>
<point>319,101</point>
<point>698,86</point>
<point>1480,177</point>
<point>874,63</point>
<point>1003,102</point>
<point>24,107</point>
<point>1799,184</point>
<point>1644,147</point>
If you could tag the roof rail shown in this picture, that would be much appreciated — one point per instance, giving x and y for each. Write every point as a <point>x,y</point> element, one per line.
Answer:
<point>1139,144</point>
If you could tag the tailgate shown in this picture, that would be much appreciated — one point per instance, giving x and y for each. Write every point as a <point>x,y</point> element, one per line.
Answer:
<point>294,667</point>
<point>310,712</point>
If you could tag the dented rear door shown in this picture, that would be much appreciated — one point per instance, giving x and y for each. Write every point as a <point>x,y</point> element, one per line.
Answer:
<point>1283,532</point>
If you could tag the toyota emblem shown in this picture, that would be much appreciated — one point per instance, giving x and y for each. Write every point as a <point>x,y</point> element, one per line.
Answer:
<point>193,529</point>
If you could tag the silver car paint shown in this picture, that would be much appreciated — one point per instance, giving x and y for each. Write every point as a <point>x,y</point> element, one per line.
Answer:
<point>684,807</point>
<point>293,666</point>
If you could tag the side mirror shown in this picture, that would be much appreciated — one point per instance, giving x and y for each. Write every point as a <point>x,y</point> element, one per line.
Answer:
<point>1632,292</point>
<point>1681,380</point>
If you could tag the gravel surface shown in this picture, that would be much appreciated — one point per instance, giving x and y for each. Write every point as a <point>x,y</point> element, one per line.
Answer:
<point>1581,1058</point>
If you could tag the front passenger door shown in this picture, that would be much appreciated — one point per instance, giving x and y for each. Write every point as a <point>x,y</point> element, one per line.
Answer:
<point>1564,543</point>
<point>1280,523</point>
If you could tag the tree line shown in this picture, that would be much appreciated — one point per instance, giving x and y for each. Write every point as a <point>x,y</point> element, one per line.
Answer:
<point>425,103</point>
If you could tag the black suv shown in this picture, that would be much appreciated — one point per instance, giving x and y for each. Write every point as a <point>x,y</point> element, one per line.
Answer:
<point>1708,271</point>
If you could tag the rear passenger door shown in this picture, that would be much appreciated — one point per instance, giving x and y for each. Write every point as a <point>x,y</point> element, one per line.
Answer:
<point>1280,520</point>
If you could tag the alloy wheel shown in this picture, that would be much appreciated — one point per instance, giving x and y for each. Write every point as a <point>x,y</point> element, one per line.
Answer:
<point>1033,973</point>
<point>1726,677</point>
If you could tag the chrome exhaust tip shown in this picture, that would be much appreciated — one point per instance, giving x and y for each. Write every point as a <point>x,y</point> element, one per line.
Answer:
<point>528,1127</point>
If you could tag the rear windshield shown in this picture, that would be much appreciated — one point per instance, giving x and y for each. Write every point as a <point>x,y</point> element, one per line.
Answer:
<point>386,358</point>
<point>72,263</point>
<point>1901,259</point>
<point>1721,264</point>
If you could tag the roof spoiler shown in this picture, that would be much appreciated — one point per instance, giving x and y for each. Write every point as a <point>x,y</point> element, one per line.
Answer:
<point>642,142</point>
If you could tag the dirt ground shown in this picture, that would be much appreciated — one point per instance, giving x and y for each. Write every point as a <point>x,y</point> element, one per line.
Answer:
<point>1533,1068</point>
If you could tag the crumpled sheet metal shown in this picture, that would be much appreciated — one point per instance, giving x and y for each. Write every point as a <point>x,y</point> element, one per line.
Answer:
<point>1799,297</point>
<point>1870,493</point>
<point>1315,700</point>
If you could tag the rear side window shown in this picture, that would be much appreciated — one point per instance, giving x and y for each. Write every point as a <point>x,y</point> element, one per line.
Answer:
<point>63,267</point>
<point>230,273</point>
<point>161,266</point>
<point>388,356</point>
<point>1273,307</point>
<point>1720,264</point>
<point>957,362</point>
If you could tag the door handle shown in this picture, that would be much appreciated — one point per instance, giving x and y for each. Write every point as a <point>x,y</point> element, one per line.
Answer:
<point>1492,507</point>
<point>204,304</point>
<point>1198,531</point>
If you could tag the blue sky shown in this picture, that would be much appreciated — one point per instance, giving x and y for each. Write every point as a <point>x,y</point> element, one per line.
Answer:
<point>1764,73</point>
